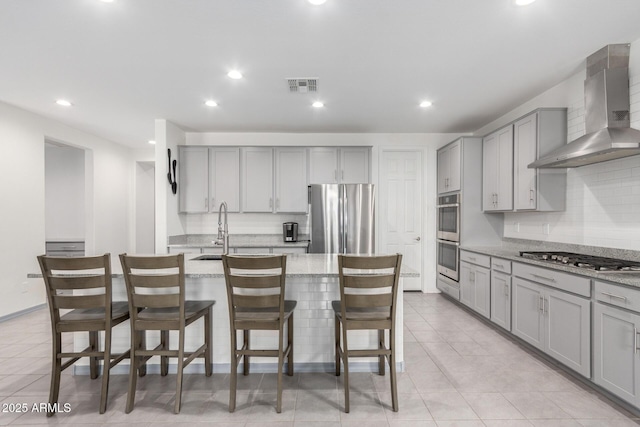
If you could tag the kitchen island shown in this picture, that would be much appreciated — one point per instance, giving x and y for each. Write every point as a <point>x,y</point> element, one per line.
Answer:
<point>311,279</point>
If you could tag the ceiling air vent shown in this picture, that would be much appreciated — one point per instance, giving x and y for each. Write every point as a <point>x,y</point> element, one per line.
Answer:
<point>303,85</point>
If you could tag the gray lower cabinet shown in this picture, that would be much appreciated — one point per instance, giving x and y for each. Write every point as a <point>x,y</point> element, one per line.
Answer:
<point>616,323</point>
<point>474,288</point>
<point>501,299</point>
<point>556,322</point>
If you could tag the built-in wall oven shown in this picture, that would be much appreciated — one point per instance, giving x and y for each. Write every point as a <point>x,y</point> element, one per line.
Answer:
<point>448,254</point>
<point>448,235</point>
<point>449,217</point>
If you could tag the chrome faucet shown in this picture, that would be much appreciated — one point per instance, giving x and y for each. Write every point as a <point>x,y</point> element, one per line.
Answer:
<point>223,234</point>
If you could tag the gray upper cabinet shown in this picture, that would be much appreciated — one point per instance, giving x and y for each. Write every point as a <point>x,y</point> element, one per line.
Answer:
<point>345,165</point>
<point>497,171</point>
<point>534,136</point>
<point>291,188</point>
<point>257,179</point>
<point>224,178</point>
<point>193,179</point>
<point>206,177</point>
<point>449,167</point>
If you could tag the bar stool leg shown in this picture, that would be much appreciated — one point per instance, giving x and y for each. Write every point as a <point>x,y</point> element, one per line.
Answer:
<point>280,363</point>
<point>164,360</point>
<point>381,346</point>
<point>246,335</point>
<point>207,340</point>
<point>134,367</point>
<point>142,344</point>
<point>290,346</point>
<point>345,361</point>
<point>106,369</point>
<point>337,342</point>
<point>392,369</point>
<point>93,361</point>
<point>233,380</point>
<point>56,369</point>
<point>179,373</point>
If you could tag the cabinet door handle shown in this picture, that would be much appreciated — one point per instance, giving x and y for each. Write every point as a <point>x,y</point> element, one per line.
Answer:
<point>545,305</point>
<point>635,340</point>
<point>206,203</point>
<point>551,279</point>
<point>342,176</point>
<point>614,296</point>
<point>270,202</point>
<point>335,175</point>
<point>498,265</point>
<point>472,258</point>
<point>506,289</point>
<point>278,203</point>
<point>472,276</point>
<point>540,303</point>
<point>531,195</point>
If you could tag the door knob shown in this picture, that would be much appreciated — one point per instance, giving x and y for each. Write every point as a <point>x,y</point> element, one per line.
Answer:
<point>417,239</point>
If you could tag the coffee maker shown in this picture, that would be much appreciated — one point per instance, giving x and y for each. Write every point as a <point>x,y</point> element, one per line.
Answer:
<point>290,231</point>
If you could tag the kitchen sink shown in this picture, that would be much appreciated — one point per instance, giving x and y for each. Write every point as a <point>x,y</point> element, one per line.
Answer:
<point>208,257</point>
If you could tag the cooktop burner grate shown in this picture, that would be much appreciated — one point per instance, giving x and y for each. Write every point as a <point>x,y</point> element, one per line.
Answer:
<point>589,262</point>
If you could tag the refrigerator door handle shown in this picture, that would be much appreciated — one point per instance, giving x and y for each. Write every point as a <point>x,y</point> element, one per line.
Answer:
<point>345,219</point>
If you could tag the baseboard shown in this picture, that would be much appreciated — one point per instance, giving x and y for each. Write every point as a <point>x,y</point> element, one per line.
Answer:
<point>22,312</point>
<point>261,368</point>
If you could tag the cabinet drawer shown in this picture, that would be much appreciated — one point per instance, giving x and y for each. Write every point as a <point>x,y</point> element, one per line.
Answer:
<point>474,258</point>
<point>450,289</point>
<point>564,281</point>
<point>502,265</point>
<point>618,295</point>
<point>65,246</point>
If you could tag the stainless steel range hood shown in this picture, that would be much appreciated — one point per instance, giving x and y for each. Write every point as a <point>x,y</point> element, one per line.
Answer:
<point>607,122</point>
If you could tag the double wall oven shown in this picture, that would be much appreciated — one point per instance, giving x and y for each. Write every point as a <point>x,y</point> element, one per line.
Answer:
<point>448,235</point>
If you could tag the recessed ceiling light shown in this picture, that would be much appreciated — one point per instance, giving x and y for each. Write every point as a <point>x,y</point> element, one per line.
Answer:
<point>211,103</point>
<point>152,142</point>
<point>523,2</point>
<point>64,103</point>
<point>317,104</point>
<point>425,104</point>
<point>317,2</point>
<point>234,74</point>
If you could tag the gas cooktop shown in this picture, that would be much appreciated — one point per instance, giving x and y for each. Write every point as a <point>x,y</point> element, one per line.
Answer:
<point>588,262</point>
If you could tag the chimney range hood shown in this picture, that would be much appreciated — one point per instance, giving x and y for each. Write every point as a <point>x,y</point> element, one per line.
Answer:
<point>607,122</point>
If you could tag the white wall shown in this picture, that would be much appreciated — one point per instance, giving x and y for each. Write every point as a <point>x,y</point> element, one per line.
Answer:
<point>168,222</point>
<point>603,200</point>
<point>64,193</point>
<point>109,172</point>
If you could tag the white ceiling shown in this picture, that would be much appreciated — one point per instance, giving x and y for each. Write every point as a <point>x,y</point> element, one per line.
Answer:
<point>126,63</point>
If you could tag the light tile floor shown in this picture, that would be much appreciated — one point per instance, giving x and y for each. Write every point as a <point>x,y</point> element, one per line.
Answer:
<point>459,372</point>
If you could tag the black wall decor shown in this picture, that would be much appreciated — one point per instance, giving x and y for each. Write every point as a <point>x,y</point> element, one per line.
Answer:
<point>172,178</point>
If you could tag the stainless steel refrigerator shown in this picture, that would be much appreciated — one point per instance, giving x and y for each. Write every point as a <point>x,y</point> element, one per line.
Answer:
<point>342,218</point>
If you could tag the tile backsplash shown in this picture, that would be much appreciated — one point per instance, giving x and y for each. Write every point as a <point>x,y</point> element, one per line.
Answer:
<point>603,200</point>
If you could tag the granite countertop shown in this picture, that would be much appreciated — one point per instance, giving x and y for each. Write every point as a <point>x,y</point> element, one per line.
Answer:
<point>298,266</point>
<point>237,241</point>
<point>511,248</point>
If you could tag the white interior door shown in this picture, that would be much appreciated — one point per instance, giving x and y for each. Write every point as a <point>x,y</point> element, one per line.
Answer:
<point>400,210</point>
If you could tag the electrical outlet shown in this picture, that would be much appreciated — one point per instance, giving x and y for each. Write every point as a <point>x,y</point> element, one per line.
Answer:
<point>545,229</point>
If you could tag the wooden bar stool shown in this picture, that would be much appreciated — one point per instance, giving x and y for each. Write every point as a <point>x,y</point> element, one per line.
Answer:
<point>91,312</point>
<point>255,291</point>
<point>156,291</point>
<point>367,301</point>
